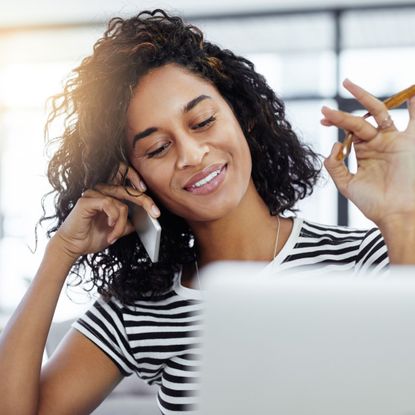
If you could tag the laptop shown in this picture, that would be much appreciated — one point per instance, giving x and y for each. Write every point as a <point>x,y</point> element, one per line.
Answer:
<point>337,344</point>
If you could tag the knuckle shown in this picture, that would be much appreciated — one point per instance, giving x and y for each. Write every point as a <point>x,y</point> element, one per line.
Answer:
<point>107,201</point>
<point>87,192</point>
<point>133,173</point>
<point>150,205</point>
<point>123,208</point>
<point>104,186</point>
<point>101,187</point>
<point>81,201</point>
<point>121,168</point>
<point>358,128</point>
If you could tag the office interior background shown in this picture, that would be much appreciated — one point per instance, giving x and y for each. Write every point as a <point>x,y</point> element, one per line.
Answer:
<point>304,49</point>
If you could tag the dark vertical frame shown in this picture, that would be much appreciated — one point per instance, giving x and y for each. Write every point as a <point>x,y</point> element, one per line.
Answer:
<point>342,202</point>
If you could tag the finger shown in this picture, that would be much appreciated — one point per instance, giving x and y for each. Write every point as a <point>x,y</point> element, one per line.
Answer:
<point>128,228</point>
<point>116,211</point>
<point>91,193</point>
<point>132,195</point>
<point>338,170</point>
<point>360,128</point>
<point>326,122</point>
<point>411,110</point>
<point>93,202</point>
<point>105,206</point>
<point>119,176</point>
<point>136,180</point>
<point>127,172</point>
<point>377,108</point>
<point>122,226</point>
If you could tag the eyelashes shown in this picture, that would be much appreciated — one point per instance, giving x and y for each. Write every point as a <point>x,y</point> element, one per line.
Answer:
<point>204,123</point>
<point>158,152</point>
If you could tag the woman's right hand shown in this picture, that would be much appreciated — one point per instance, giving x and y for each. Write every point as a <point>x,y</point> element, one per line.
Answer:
<point>100,216</point>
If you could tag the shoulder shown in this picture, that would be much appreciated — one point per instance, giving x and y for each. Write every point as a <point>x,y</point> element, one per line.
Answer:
<point>335,233</point>
<point>336,245</point>
<point>130,332</point>
<point>113,310</point>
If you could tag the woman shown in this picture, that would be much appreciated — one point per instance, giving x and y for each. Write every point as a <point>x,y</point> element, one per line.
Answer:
<point>157,107</point>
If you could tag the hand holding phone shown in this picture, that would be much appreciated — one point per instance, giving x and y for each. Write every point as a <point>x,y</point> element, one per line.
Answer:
<point>147,228</point>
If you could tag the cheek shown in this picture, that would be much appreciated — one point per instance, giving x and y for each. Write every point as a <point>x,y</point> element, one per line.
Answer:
<point>157,180</point>
<point>244,153</point>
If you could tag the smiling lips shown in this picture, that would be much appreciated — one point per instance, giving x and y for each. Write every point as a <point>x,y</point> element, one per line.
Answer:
<point>207,180</point>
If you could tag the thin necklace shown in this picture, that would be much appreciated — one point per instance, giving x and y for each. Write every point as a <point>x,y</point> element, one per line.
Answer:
<point>277,238</point>
<point>198,277</point>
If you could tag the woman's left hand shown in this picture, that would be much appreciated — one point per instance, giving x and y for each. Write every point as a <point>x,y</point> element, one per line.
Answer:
<point>383,187</point>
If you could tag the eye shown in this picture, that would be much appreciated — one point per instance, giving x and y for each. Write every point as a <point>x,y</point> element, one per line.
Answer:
<point>204,123</point>
<point>158,152</point>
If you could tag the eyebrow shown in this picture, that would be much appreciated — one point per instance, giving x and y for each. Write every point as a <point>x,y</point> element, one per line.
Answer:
<point>188,107</point>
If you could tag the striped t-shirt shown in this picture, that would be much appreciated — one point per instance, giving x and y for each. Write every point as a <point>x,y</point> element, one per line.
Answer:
<point>160,340</point>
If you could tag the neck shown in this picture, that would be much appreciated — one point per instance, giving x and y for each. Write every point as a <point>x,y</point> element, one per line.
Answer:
<point>247,233</point>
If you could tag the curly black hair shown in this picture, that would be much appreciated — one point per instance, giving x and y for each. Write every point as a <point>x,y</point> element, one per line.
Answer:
<point>94,103</point>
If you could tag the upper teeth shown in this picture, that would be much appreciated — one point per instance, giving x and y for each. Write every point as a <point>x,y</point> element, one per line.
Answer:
<point>207,179</point>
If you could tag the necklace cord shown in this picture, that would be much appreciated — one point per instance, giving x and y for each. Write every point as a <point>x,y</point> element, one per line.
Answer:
<point>277,238</point>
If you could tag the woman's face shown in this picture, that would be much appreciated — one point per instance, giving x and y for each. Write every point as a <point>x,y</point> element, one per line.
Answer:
<point>187,145</point>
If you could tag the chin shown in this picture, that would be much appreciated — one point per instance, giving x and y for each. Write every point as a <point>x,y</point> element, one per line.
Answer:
<point>210,212</point>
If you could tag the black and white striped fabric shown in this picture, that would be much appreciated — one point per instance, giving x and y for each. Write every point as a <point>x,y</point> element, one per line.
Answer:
<point>160,340</point>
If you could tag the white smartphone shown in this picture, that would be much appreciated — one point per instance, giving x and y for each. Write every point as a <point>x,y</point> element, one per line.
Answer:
<point>148,230</point>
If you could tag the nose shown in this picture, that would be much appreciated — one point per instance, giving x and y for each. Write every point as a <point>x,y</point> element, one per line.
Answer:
<point>190,151</point>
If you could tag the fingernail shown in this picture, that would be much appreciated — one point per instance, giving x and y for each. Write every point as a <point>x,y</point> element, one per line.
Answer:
<point>112,242</point>
<point>155,210</point>
<point>143,187</point>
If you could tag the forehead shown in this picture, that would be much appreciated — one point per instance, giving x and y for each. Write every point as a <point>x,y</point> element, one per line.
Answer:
<point>165,91</point>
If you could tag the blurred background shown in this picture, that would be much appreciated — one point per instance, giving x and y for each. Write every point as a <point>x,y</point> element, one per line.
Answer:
<point>304,48</point>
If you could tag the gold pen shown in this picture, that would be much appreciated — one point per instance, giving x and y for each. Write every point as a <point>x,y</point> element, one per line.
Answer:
<point>391,102</point>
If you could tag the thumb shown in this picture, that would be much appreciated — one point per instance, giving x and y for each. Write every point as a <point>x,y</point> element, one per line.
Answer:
<point>338,170</point>
<point>129,228</point>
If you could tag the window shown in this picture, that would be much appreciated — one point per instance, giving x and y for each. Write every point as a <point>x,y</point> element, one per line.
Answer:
<point>32,68</point>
